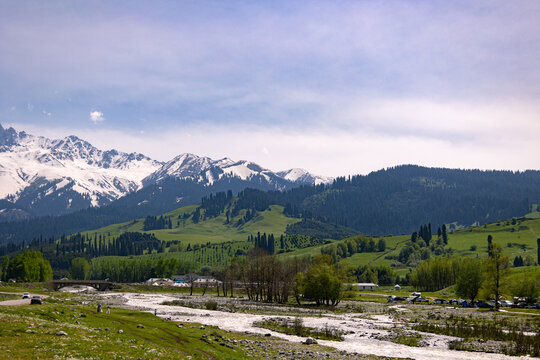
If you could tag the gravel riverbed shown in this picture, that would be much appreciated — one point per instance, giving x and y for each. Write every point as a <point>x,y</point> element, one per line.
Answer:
<point>364,333</point>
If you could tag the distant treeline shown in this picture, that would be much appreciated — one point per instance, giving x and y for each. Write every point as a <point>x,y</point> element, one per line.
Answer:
<point>394,201</point>
<point>349,247</point>
<point>60,252</point>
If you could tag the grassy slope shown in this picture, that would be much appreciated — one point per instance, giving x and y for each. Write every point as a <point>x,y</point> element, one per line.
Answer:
<point>158,338</point>
<point>525,233</point>
<point>211,230</point>
<point>215,230</point>
<point>461,241</point>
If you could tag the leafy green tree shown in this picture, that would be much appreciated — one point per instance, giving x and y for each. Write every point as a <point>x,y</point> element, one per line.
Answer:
<point>4,264</point>
<point>381,245</point>
<point>371,245</point>
<point>30,266</point>
<point>80,268</point>
<point>322,283</point>
<point>435,273</point>
<point>526,288</point>
<point>497,265</point>
<point>470,279</point>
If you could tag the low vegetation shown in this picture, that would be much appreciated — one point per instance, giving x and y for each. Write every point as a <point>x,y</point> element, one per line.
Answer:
<point>408,339</point>
<point>296,327</point>
<point>516,341</point>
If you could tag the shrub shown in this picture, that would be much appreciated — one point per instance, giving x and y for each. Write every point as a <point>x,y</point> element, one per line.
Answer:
<point>211,305</point>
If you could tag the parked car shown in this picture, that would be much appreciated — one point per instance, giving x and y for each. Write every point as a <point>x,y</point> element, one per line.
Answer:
<point>440,301</point>
<point>26,296</point>
<point>36,299</point>
<point>484,305</point>
<point>506,303</point>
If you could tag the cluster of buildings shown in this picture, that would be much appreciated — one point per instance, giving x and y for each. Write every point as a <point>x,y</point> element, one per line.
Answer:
<point>185,281</point>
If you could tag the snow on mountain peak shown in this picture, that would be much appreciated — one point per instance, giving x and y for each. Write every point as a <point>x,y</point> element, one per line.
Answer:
<point>72,173</point>
<point>301,175</point>
<point>102,175</point>
<point>206,170</point>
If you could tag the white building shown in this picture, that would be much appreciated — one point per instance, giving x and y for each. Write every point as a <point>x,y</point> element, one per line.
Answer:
<point>366,286</point>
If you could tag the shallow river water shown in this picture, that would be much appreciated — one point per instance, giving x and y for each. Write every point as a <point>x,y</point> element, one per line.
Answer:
<point>363,339</point>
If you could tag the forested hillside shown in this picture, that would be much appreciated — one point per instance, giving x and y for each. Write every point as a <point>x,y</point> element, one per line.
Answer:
<point>396,200</point>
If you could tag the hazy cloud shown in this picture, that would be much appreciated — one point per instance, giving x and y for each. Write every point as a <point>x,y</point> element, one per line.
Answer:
<point>96,117</point>
<point>356,87</point>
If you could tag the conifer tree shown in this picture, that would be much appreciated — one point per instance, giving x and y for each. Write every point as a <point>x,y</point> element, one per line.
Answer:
<point>444,234</point>
<point>490,245</point>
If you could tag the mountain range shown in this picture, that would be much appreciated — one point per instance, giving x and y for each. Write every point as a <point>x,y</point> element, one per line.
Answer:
<point>40,176</point>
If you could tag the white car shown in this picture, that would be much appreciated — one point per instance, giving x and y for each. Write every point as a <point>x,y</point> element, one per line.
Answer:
<point>26,296</point>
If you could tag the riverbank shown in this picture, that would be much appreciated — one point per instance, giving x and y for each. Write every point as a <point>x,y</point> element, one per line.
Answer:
<point>375,330</point>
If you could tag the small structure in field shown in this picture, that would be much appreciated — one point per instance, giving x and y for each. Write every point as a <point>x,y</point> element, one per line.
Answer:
<point>397,287</point>
<point>366,286</point>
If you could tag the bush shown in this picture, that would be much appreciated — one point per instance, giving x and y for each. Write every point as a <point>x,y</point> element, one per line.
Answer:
<point>211,305</point>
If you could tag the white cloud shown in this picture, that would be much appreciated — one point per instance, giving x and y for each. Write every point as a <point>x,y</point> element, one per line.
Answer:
<point>96,117</point>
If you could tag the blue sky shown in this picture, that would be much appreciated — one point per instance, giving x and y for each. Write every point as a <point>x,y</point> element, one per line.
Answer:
<point>334,87</point>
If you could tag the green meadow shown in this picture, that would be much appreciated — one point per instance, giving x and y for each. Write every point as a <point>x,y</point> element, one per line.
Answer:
<point>213,230</point>
<point>221,241</point>
<point>31,332</point>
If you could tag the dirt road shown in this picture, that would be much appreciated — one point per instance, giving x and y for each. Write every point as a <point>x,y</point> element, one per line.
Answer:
<point>20,301</point>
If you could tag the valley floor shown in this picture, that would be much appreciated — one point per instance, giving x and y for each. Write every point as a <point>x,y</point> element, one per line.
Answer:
<point>237,328</point>
<point>369,328</point>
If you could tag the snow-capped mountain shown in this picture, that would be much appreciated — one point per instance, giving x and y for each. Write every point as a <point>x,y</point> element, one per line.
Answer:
<point>297,175</point>
<point>40,176</point>
<point>67,174</point>
<point>207,171</point>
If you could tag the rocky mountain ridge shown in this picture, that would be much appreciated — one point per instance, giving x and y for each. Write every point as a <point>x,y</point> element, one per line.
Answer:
<point>40,176</point>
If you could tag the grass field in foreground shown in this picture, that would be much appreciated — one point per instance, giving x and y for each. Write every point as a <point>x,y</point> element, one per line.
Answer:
<point>30,332</point>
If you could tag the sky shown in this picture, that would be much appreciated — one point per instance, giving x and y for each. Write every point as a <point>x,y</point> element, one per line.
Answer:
<point>334,87</point>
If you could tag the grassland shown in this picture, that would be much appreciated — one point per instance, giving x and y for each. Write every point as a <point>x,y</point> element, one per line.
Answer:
<point>518,239</point>
<point>213,230</point>
<point>30,332</point>
<point>516,236</point>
